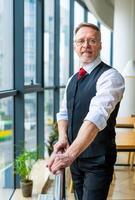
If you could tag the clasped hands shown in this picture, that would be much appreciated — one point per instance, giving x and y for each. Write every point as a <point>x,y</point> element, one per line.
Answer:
<point>60,158</point>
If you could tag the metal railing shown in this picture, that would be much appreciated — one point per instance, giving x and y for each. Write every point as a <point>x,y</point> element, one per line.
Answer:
<point>59,186</point>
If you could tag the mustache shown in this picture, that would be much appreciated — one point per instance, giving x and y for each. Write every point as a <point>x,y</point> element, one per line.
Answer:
<point>87,51</point>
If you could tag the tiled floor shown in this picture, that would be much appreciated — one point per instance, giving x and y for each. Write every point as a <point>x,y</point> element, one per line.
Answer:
<point>123,185</point>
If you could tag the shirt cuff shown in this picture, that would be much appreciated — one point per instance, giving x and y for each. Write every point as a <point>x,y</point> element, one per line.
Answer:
<point>98,120</point>
<point>61,116</point>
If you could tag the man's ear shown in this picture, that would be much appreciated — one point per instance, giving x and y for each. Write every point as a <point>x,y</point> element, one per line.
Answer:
<point>100,45</point>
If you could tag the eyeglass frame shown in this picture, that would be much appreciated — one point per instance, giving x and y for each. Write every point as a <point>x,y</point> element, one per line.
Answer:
<point>81,42</point>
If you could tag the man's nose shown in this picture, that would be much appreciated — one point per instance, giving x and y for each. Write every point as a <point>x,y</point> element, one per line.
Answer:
<point>86,43</point>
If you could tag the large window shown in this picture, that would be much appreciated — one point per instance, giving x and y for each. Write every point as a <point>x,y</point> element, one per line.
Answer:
<point>21,86</point>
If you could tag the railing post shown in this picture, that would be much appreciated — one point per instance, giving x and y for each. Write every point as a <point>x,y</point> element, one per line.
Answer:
<point>59,187</point>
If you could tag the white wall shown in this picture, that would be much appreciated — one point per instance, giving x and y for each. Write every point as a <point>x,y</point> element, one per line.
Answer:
<point>124,45</point>
<point>124,49</point>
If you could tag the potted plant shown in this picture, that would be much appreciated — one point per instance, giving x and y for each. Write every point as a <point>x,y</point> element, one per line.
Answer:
<point>53,137</point>
<point>23,166</point>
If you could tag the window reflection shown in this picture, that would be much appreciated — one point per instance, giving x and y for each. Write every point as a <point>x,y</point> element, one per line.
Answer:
<point>30,41</point>
<point>62,90</point>
<point>49,43</point>
<point>78,18</point>
<point>6,147</point>
<point>6,44</point>
<point>92,19</point>
<point>106,44</point>
<point>64,41</point>
<point>48,114</point>
<point>30,121</point>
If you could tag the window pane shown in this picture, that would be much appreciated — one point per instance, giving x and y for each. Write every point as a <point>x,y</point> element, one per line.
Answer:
<point>30,121</point>
<point>64,41</point>
<point>49,43</point>
<point>6,44</point>
<point>91,18</point>
<point>6,148</point>
<point>78,19</point>
<point>106,44</point>
<point>62,90</point>
<point>30,41</point>
<point>48,114</point>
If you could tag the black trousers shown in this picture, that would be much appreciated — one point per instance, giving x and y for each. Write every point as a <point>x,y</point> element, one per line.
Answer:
<point>92,177</point>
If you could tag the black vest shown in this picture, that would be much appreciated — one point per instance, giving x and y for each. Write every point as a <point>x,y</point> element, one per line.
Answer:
<point>79,95</point>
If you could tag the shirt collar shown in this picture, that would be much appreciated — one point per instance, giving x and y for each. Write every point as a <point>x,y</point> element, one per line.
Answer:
<point>90,66</point>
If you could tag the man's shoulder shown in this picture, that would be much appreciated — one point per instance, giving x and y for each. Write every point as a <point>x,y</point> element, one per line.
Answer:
<point>105,65</point>
<point>112,74</point>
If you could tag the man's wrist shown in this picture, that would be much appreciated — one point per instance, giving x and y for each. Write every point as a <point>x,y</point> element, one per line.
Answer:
<point>62,137</point>
<point>71,154</point>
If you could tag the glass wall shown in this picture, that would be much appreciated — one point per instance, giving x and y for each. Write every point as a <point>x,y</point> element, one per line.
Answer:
<point>21,86</point>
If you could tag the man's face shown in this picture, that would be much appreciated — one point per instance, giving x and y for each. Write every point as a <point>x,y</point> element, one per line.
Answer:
<point>87,44</point>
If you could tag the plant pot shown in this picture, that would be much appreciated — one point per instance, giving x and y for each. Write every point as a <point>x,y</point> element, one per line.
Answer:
<point>26,187</point>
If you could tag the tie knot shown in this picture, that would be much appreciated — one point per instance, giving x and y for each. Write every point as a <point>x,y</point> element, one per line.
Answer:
<point>81,73</point>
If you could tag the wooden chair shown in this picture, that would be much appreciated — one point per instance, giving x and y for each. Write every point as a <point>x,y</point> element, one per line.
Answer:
<point>132,157</point>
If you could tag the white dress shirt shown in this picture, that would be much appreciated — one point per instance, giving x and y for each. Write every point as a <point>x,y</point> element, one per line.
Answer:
<point>109,91</point>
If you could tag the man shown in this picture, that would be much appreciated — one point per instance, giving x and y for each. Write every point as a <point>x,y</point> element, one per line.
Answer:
<point>87,119</point>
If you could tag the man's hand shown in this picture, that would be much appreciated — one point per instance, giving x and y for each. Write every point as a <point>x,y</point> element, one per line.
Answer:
<point>61,161</point>
<point>60,147</point>
<point>51,160</point>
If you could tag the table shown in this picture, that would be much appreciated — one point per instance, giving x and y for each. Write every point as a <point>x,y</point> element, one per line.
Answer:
<point>126,141</point>
<point>125,122</point>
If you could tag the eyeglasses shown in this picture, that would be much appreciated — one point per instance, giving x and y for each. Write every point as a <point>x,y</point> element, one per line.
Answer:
<point>81,42</point>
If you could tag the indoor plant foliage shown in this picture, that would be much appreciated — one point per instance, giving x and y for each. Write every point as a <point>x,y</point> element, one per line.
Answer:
<point>53,137</point>
<point>23,166</point>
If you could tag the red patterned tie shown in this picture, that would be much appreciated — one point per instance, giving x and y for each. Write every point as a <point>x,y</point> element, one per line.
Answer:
<point>81,73</point>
